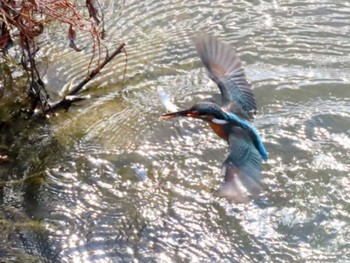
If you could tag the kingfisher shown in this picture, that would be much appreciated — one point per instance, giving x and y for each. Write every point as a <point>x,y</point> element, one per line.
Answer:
<point>230,119</point>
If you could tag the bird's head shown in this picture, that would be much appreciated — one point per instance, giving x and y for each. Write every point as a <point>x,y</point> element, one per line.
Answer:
<point>207,111</point>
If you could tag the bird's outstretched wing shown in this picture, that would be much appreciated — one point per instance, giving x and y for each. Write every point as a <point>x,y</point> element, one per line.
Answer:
<point>241,169</point>
<point>225,69</point>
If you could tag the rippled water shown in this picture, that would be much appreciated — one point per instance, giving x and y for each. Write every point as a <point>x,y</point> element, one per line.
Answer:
<point>110,182</point>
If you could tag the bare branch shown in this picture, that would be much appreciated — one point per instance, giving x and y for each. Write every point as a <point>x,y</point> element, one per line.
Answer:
<point>72,97</point>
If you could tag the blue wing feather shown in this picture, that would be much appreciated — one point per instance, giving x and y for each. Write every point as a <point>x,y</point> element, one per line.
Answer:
<point>246,125</point>
<point>242,170</point>
<point>225,69</point>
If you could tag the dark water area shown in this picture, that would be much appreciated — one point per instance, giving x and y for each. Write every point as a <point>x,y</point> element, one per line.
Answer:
<point>110,182</point>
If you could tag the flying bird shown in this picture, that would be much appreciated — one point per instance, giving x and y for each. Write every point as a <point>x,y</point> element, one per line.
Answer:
<point>230,119</point>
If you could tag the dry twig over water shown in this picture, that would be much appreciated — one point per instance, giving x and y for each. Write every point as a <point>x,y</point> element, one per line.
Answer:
<point>21,22</point>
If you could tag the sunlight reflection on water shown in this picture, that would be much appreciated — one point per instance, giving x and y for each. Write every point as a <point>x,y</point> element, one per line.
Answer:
<point>128,187</point>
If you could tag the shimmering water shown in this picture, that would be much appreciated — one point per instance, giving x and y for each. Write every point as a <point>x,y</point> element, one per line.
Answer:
<point>110,182</point>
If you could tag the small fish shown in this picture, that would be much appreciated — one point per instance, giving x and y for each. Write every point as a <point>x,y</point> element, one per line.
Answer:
<point>171,107</point>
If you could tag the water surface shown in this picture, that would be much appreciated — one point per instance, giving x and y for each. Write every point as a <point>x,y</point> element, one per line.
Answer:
<point>110,182</point>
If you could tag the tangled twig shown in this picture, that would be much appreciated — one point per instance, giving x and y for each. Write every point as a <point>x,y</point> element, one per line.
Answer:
<point>25,21</point>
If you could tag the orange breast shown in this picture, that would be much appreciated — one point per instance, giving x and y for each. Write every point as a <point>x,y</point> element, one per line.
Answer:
<point>219,130</point>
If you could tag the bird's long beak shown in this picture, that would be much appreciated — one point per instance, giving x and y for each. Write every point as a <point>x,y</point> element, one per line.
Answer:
<point>183,113</point>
